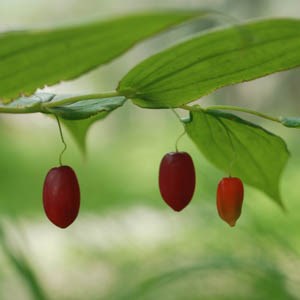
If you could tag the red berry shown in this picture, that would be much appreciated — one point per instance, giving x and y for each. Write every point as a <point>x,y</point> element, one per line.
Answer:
<point>61,196</point>
<point>177,179</point>
<point>230,196</point>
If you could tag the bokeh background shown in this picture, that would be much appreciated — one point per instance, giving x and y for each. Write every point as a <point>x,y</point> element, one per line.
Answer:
<point>126,244</point>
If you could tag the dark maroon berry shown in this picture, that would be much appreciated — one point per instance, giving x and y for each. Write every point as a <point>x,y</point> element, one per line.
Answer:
<point>61,196</point>
<point>177,179</point>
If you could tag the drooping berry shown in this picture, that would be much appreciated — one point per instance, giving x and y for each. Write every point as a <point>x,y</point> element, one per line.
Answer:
<point>230,196</point>
<point>177,179</point>
<point>61,196</point>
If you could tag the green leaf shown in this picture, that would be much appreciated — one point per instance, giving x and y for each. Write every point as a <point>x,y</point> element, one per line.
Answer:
<point>78,117</point>
<point>86,108</point>
<point>32,59</point>
<point>203,64</point>
<point>79,130</point>
<point>27,104</point>
<point>293,122</point>
<point>240,148</point>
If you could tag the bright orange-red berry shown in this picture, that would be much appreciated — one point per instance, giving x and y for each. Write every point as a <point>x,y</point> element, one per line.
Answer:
<point>230,196</point>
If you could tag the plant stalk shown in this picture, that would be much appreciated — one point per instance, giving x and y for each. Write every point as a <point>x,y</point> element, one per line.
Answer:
<point>233,108</point>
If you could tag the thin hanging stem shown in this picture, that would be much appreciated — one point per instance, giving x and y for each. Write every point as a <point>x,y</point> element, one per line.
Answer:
<point>176,143</point>
<point>176,113</point>
<point>182,134</point>
<point>62,139</point>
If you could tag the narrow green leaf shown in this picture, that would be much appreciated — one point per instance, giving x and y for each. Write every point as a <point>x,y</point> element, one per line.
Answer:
<point>78,117</point>
<point>32,59</point>
<point>86,108</point>
<point>203,64</point>
<point>293,122</point>
<point>27,104</point>
<point>240,148</point>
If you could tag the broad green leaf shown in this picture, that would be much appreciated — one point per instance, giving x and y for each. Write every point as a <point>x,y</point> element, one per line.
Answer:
<point>240,148</point>
<point>33,59</point>
<point>197,67</point>
<point>293,122</point>
<point>78,117</point>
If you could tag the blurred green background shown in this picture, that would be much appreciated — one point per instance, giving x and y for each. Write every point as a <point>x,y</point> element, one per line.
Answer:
<point>126,244</point>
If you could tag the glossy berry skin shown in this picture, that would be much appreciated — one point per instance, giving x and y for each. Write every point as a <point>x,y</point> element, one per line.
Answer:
<point>61,196</point>
<point>177,179</point>
<point>230,196</point>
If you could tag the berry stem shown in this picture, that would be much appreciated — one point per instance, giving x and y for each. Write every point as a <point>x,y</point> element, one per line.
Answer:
<point>62,139</point>
<point>178,139</point>
<point>176,113</point>
<point>182,134</point>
